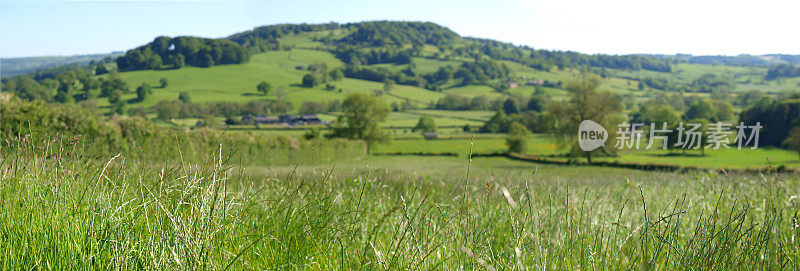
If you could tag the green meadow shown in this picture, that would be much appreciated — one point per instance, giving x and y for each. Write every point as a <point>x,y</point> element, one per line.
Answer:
<point>237,83</point>
<point>70,207</point>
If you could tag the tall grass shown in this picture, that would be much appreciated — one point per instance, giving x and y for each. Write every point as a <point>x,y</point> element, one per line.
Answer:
<point>65,205</point>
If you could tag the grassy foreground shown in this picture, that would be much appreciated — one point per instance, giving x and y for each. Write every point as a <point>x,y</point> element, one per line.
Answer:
<point>63,208</point>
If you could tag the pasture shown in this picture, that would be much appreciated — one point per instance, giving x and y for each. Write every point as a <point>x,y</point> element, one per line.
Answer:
<point>384,213</point>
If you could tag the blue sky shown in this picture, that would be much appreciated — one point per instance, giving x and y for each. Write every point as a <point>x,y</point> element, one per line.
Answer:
<point>36,28</point>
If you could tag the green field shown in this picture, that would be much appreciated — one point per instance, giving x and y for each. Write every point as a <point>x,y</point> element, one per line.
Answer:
<point>722,158</point>
<point>410,119</point>
<point>383,212</point>
<point>237,83</point>
<point>482,144</point>
<point>543,145</point>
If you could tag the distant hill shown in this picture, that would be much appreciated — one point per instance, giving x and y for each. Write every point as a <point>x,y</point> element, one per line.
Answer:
<point>377,42</point>
<point>373,33</point>
<point>399,33</point>
<point>747,60</point>
<point>383,42</point>
<point>740,60</point>
<point>22,65</point>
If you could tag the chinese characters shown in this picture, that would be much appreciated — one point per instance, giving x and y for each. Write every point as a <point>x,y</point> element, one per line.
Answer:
<point>688,135</point>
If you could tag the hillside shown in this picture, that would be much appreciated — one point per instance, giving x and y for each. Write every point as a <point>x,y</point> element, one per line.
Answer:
<point>747,60</point>
<point>23,65</point>
<point>411,65</point>
<point>237,83</point>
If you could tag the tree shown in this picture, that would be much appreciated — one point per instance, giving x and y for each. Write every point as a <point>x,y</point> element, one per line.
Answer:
<point>585,103</point>
<point>113,83</point>
<point>184,97</point>
<point>466,128</point>
<point>63,97</point>
<point>89,83</point>
<point>388,85</point>
<point>312,133</point>
<point>143,91</point>
<point>100,68</point>
<point>701,109</point>
<point>27,88</point>
<point>750,98</point>
<point>793,141</point>
<point>119,108</point>
<point>510,106</point>
<point>115,96</point>
<point>311,107</point>
<point>163,82</point>
<point>310,80</point>
<point>516,139</point>
<point>425,124</point>
<point>205,60</point>
<point>777,117</point>
<point>167,110</point>
<point>179,61</point>
<point>467,78</point>
<point>658,114</point>
<point>336,74</point>
<point>264,87</point>
<point>536,103</point>
<point>497,124</point>
<point>724,110</point>
<point>361,118</point>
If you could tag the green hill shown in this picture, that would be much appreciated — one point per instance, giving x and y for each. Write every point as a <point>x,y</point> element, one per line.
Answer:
<point>237,83</point>
<point>425,62</point>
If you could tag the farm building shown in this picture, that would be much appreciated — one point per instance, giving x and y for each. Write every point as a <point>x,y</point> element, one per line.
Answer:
<point>290,120</point>
<point>260,119</point>
<point>310,119</point>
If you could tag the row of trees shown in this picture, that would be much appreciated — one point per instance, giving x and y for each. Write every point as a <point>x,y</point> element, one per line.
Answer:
<point>381,74</point>
<point>309,107</point>
<point>540,122</point>
<point>468,73</point>
<point>176,52</point>
<point>381,33</point>
<point>509,105</point>
<point>779,118</point>
<point>707,83</point>
<point>356,56</point>
<point>782,71</point>
<point>183,107</point>
<point>545,59</point>
<point>661,111</point>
